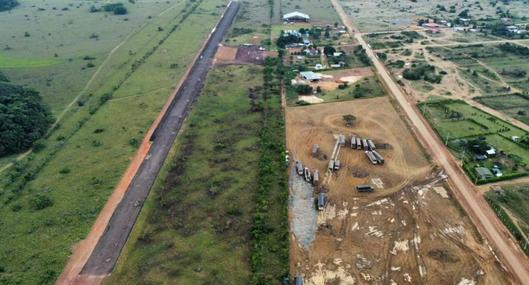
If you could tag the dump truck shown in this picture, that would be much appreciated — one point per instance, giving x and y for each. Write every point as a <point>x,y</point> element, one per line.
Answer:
<point>322,200</point>
<point>353,142</point>
<point>331,164</point>
<point>337,165</point>
<point>378,157</point>
<point>364,188</point>
<point>308,176</point>
<point>299,167</point>
<point>316,178</point>
<point>371,157</point>
<point>371,144</point>
<point>315,150</point>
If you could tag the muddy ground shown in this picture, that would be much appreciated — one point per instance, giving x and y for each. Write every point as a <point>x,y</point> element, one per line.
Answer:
<point>409,231</point>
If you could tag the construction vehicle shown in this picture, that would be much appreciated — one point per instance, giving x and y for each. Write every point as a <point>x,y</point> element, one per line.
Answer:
<point>322,201</point>
<point>316,178</point>
<point>308,176</point>
<point>299,167</point>
<point>336,165</point>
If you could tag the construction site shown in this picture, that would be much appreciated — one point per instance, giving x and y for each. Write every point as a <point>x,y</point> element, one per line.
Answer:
<point>367,206</point>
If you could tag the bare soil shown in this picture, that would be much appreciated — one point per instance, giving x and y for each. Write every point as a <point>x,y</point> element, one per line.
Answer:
<point>409,231</point>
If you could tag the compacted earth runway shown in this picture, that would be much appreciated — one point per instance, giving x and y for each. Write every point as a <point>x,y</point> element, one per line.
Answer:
<point>108,249</point>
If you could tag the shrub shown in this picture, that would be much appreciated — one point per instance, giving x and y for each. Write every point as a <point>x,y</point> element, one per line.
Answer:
<point>303,89</point>
<point>40,201</point>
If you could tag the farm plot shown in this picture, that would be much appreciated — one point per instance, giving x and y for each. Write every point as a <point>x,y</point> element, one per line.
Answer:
<point>514,105</point>
<point>409,229</point>
<point>207,197</point>
<point>87,155</point>
<point>491,149</point>
<point>495,69</point>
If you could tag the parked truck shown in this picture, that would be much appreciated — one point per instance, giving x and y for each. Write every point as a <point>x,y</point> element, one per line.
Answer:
<point>336,165</point>
<point>308,176</point>
<point>322,201</point>
<point>331,164</point>
<point>353,142</point>
<point>378,156</point>
<point>371,144</point>
<point>364,188</point>
<point>316,178</point>
<point>371,157</point>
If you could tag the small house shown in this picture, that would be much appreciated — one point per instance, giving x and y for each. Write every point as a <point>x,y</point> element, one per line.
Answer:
<point>483,173</point>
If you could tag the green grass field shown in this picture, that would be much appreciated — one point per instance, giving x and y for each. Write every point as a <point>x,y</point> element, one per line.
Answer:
<point>196,226</point>
<point>458,123</point>
<point>50,59</point>
<point>80,166</point>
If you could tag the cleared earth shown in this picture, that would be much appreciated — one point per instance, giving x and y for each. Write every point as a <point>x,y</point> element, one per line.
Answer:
<point>410,230</point>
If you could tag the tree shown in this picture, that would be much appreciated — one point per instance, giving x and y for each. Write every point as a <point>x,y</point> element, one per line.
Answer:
<point>349,120</point>
<point>24,118</point>
<point>7,4</point>
<point>329,50</point>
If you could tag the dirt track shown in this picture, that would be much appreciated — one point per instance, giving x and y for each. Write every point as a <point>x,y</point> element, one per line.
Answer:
<point>477,208</point>
<point>104,257</point>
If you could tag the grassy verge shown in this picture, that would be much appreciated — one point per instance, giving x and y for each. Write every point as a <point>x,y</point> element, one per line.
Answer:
<point>196,229</point>
<point>516,200</point>
<point>50,200</point>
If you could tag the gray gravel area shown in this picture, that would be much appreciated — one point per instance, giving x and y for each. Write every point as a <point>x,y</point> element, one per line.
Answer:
<point>304,215</point>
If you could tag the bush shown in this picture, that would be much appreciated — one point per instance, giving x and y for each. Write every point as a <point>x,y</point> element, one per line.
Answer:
<point>303,89</point>
<point>40,201</point>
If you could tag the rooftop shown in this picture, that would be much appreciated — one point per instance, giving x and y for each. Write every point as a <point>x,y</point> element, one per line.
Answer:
<point>296,14</point>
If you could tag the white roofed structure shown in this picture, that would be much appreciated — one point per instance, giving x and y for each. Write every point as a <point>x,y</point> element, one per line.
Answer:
<point>296,17</point>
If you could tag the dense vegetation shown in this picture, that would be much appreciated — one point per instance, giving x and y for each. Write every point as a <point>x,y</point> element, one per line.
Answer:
<point>286,39</point>
<point>422,71</point>
<point>24,118</point>
<point>7,4</point>
<point>270,236</point>
<point>116,8</point>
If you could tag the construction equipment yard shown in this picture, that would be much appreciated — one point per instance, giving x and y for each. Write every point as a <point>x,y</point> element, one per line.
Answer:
<point>410,229</point>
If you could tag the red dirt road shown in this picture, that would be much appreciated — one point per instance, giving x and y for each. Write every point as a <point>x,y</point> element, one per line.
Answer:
<point>84,249</point>
<point>477,208</point>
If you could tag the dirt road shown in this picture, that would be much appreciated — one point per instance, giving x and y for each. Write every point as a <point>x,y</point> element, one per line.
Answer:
<point>477,208</point>
<point>105,255</point>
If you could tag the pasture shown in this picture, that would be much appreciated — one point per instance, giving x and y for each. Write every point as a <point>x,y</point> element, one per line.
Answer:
<point>470,132</point>
<point>91,148</point>
<point>207,197</point>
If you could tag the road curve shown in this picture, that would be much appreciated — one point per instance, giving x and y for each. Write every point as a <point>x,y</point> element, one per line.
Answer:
<point>477,208</point>
<point>108,249</point>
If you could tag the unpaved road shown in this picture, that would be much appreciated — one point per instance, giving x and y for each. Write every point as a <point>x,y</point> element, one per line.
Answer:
<point>477,208</point>
<point>109,246</point>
